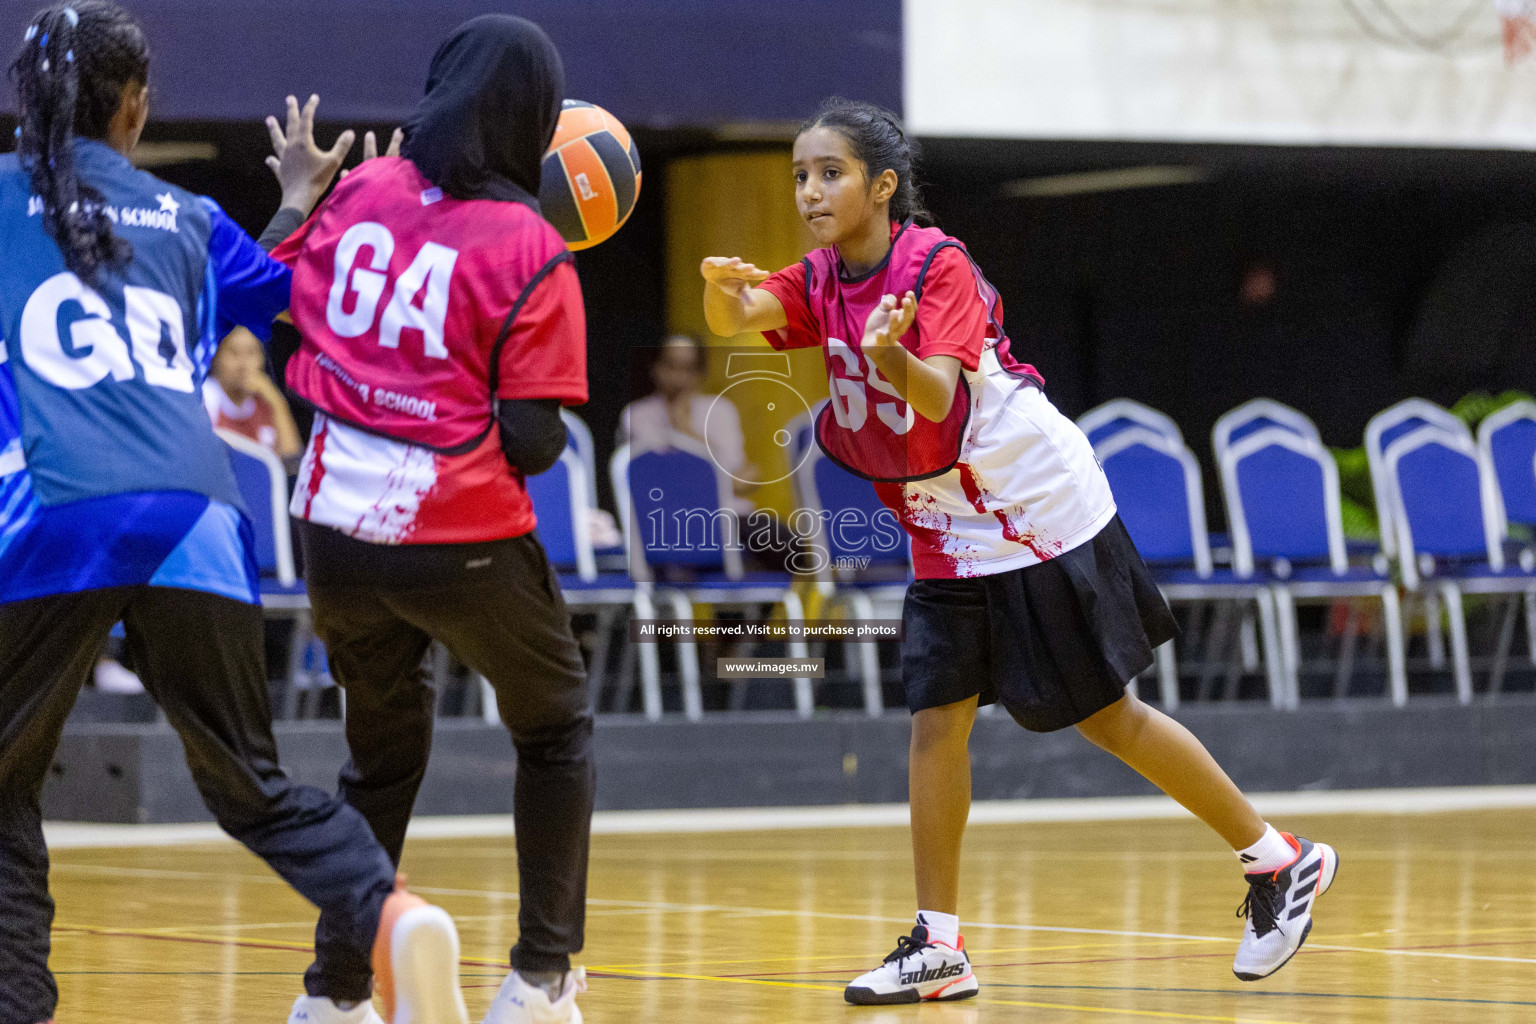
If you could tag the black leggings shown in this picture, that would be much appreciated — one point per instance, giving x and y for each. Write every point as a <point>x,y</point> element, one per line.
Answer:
<point>497,608</point>
<point>200,656</point>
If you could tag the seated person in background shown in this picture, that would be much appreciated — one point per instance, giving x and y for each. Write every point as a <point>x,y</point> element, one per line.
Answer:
<point>678,407</point>
<point>240,397</point>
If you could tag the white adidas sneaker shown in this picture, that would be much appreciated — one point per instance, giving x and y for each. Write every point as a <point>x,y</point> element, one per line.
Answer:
<point>518,1002</point>
<point>1279,908</point>
<point>916,971</point>
<point>320,1010</point>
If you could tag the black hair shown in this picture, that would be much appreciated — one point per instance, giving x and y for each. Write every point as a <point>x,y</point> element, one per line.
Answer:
<point>879,140</point>
<point>74,62</point>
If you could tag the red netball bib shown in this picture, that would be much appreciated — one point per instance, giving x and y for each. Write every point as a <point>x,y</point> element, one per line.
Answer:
<point>866,427</point>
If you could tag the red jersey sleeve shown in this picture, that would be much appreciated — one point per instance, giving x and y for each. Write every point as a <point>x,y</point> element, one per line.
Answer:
<point>951,317</point>
<point>545,356</point>
<point>788,286</point>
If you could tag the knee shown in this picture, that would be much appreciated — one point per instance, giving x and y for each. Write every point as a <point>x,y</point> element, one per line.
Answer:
<point>557,736</point>
<point>1114,726</point>
<point>943,726</point>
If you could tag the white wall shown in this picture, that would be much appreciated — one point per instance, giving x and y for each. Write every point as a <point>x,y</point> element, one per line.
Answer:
<point>1266,71</point>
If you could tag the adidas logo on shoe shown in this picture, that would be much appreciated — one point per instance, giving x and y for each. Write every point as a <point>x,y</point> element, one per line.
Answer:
<point>916,971</point>
<point>934,974</point>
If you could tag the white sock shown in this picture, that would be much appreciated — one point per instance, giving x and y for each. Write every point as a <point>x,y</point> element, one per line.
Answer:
<point>943,928</point>
<point>1270,853</point>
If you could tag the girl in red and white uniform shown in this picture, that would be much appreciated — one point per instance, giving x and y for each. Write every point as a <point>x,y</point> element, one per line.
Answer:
<point>1029,592</point>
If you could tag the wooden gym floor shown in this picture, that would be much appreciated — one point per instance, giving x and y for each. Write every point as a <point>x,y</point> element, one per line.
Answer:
<point>1432,919</point>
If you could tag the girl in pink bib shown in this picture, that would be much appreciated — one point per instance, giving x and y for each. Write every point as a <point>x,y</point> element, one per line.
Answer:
<point>1029,592</point>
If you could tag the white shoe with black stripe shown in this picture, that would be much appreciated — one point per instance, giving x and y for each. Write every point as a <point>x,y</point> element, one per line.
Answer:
<point>917,971</point>
<point>1279,908</point>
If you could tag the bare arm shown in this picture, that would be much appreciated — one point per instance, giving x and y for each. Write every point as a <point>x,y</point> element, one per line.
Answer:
<point>927,385</point>
<point>289,443</point>
<point>731,305</point>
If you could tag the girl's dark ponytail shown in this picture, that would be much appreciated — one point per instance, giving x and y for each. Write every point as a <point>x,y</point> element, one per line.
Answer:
<point>74,62</point>
<point>879,140</point>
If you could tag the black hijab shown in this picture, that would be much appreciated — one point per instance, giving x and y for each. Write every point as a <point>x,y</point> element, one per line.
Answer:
<point>493,98</point>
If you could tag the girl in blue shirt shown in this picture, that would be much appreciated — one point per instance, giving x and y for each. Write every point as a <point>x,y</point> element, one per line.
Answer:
<point>117,503</point>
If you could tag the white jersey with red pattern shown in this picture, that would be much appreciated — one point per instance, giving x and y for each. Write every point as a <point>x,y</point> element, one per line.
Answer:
<point>1026,486</point>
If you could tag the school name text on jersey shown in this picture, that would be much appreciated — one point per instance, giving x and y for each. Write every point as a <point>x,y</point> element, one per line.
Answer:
<point>163,219</point>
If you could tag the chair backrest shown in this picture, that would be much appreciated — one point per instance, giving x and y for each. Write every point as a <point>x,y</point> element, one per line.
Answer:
<point>1439,494</point>
<point>578,438</point>
<point>802,433</point>
<point>263,484</point>
<point>852,521</point>
<point>559,496</point>
<point>1255,415</point>
<point>1506,444</point>
<point>1386,427</point>
<point>1104,421</point>
<point>674,505</point>
<point>1282,497</point>
<point>1155,479</point>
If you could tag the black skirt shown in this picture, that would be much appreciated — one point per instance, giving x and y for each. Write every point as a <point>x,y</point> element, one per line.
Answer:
<point>1053,643</point>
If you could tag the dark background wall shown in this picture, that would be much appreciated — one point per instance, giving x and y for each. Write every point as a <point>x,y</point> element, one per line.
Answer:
<point>1394,272</point>
<point>661,64</point>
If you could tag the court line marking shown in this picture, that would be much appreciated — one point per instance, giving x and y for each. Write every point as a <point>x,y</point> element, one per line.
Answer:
<point>470,961</point>
<point>1120,1011</point>
<point>645,906</point>
<point>974,950</point>
<point>74,835</point>
<point>823,915</point>
<point>704,908</point>
<point>1268,993</point>
<point>823,987</point>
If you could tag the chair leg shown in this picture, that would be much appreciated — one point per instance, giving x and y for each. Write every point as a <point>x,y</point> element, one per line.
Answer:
<point>1434,638</point>
<point>1501,650</point>
<point>1194,622</point>
<point>794,612</point>
<point>1216,642</point>
<point>298,647</point>
<point>1530,622</point>
<point>1461,658</point>
<point>1274,665</point>
<point>687,657</point>
<point>650,659</point>
<point>1344,668</point>
<point>869,656</point>
<point>625,676</point>
<point>1397,653</point>
<point>490,714</point>
<point>1167,676</point>
<point>1248,644</point>
<point>1290,645</point>
<point>602,644</point>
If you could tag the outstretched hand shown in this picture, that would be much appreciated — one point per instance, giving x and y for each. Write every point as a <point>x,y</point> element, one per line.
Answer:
<point>888,322</point>
<point>731,274</point>
<point>371,146</point>
<point>303,169</point>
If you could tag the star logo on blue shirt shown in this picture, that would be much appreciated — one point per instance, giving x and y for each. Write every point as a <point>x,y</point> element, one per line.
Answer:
<point>168,203</point>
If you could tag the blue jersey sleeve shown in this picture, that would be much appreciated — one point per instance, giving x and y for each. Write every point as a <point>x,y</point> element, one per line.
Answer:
<point>10,422</point>
<point>251,288</point>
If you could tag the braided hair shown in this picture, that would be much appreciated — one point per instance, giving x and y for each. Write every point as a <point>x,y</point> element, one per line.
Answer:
<point>879,140</point>
<point>74,63</point>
